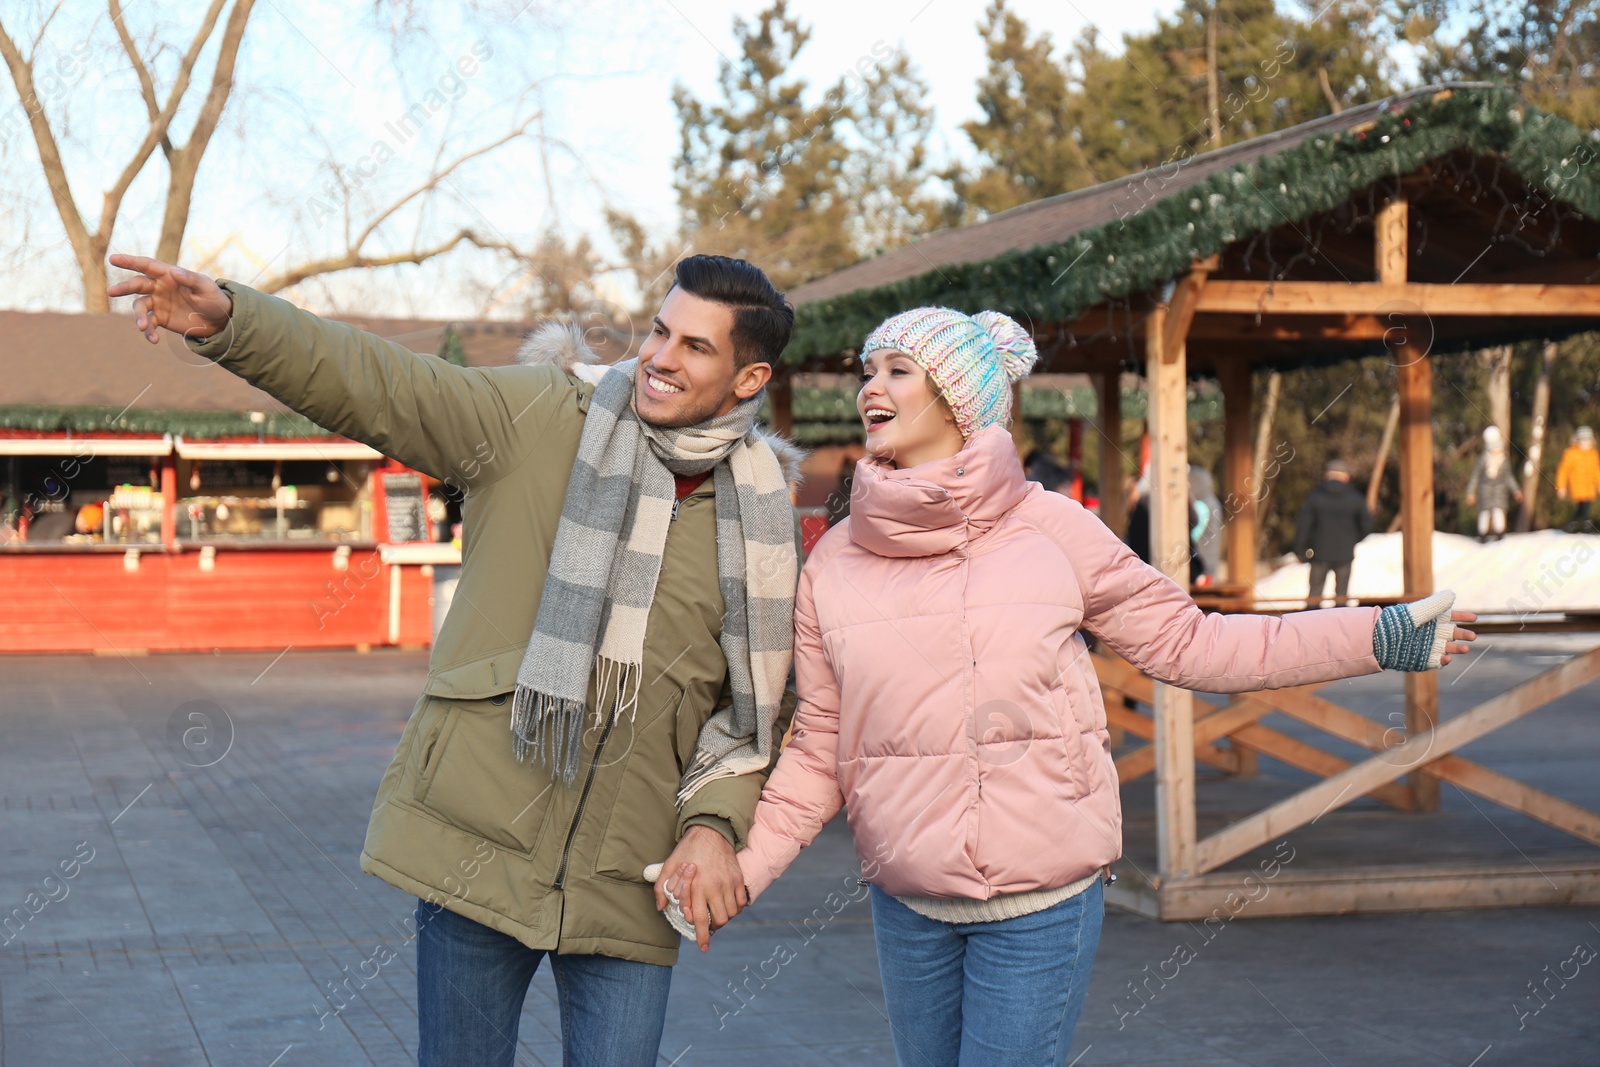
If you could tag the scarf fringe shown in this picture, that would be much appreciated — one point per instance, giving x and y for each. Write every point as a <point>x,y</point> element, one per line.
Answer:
<point>624,678</point>
<point>551,727</point>
<point>708,767</point>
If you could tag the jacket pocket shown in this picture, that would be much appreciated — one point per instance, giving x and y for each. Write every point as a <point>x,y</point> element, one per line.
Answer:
<point>641,826</point>
<point>435,739</point>
<point>469,777</point>
<point>690,718</point>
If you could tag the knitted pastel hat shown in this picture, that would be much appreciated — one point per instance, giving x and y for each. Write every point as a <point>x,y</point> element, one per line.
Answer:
<point>1584,432</point>
<point>973,359</point>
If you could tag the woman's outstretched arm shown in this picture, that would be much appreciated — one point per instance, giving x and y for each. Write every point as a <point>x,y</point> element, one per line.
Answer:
<point>1150,621</point>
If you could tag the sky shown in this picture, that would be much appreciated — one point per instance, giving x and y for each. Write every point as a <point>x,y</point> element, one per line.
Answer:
<point>941,36</point>
<point>321,83</point>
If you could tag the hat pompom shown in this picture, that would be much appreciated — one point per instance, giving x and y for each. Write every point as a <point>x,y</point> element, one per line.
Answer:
<point>1016,348</point>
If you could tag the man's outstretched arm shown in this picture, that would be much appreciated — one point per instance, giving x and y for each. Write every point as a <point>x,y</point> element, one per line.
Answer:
<point>462,425</point>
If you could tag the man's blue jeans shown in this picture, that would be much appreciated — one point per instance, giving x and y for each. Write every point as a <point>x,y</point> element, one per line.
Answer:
<point>997,993</point>
<point>471,982</point>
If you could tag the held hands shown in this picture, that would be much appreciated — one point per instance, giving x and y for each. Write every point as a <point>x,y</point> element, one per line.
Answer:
<point>674,909</point>
<point>172,298</point>
<point>703,875</point>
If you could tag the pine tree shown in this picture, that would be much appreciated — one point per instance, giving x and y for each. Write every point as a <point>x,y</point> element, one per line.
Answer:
<point>801,183</point>
<point>1549,50</point>
<point>1052,124</point>
<point>1273,70</point>
<point>1028,137</point>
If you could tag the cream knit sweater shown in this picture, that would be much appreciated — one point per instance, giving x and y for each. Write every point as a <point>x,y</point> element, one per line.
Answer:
<point>1004,906</point>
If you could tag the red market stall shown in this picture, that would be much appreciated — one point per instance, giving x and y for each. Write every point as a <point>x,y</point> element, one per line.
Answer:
<point>136,544</point>
<point>150,501</point>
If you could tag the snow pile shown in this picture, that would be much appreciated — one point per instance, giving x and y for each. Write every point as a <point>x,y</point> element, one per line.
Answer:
<point>1544,571</point>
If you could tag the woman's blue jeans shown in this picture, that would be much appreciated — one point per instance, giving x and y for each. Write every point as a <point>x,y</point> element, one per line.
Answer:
<point>979,994</point>
<point>471,982</point>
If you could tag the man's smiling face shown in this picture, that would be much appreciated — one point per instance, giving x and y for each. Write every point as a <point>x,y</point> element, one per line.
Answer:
<point>688,371</point>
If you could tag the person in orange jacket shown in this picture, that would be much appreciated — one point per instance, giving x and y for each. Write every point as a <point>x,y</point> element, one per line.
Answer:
<point>1579,477</point>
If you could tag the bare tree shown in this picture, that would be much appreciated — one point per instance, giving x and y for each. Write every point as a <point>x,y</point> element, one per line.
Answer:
<point>1269,410</point>
<point>90,242</point>
<point>358,234</point>
<point>90,246</point>
<point>1536,434</point>
<point>1497,362</point>
<point>1375,483</point>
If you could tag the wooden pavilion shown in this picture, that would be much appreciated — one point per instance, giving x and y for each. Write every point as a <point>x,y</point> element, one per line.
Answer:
<point>1438,221</point>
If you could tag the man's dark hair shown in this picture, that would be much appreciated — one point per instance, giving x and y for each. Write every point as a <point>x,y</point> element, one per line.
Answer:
<point>762,318</point>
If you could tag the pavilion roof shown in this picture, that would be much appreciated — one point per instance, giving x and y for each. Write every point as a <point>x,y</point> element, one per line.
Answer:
<point>1050,261</point>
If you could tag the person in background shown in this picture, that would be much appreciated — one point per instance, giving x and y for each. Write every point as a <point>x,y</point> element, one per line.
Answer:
<point>1137,535</point>
<point>1492,486</point>
<point>1333,518</point>
<point>1579,477</point>
<point>1041,467</point>
<point>1206,529</point>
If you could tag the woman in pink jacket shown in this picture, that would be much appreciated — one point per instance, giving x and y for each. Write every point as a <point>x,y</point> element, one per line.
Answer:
<point>947,698</point>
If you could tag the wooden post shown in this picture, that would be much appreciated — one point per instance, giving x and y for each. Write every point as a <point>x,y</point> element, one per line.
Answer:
<point>1239,496</point>
<point>1113,467</point>
<point>780,394</point>
<point>1166,368</point>
<point>1238,467</point>
<point>1416,484</point>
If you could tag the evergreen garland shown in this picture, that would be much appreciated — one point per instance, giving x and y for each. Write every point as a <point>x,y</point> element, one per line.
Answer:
<point>1161,241</point>
<point>88,418</point>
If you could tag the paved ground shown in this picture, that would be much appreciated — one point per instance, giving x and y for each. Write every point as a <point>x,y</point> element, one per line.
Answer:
<point>210,909</point>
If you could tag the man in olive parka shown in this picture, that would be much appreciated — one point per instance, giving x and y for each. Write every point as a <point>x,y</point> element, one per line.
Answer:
<point>555,753</point>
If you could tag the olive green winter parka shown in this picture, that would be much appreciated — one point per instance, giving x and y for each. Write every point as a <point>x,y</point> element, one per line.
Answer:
<point>457,819</point>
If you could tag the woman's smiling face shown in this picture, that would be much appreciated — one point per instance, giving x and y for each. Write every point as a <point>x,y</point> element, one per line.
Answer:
<point>906,420</point>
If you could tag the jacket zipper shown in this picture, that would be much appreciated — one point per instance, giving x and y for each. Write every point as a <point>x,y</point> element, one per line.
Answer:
<point>583,798</point>
<point>588,783</point>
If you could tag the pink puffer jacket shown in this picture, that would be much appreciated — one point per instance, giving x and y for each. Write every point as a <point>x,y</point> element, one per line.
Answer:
<point>947,696</point>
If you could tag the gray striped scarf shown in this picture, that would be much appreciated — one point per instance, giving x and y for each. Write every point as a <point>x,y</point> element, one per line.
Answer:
<point>602,581</point>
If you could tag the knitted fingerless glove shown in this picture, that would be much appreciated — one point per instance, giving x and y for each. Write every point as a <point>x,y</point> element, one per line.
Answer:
<point>674,910</point>
<point>1412,637</point>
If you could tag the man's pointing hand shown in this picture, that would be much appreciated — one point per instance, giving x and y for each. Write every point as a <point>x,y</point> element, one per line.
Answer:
<point>172,298</point>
